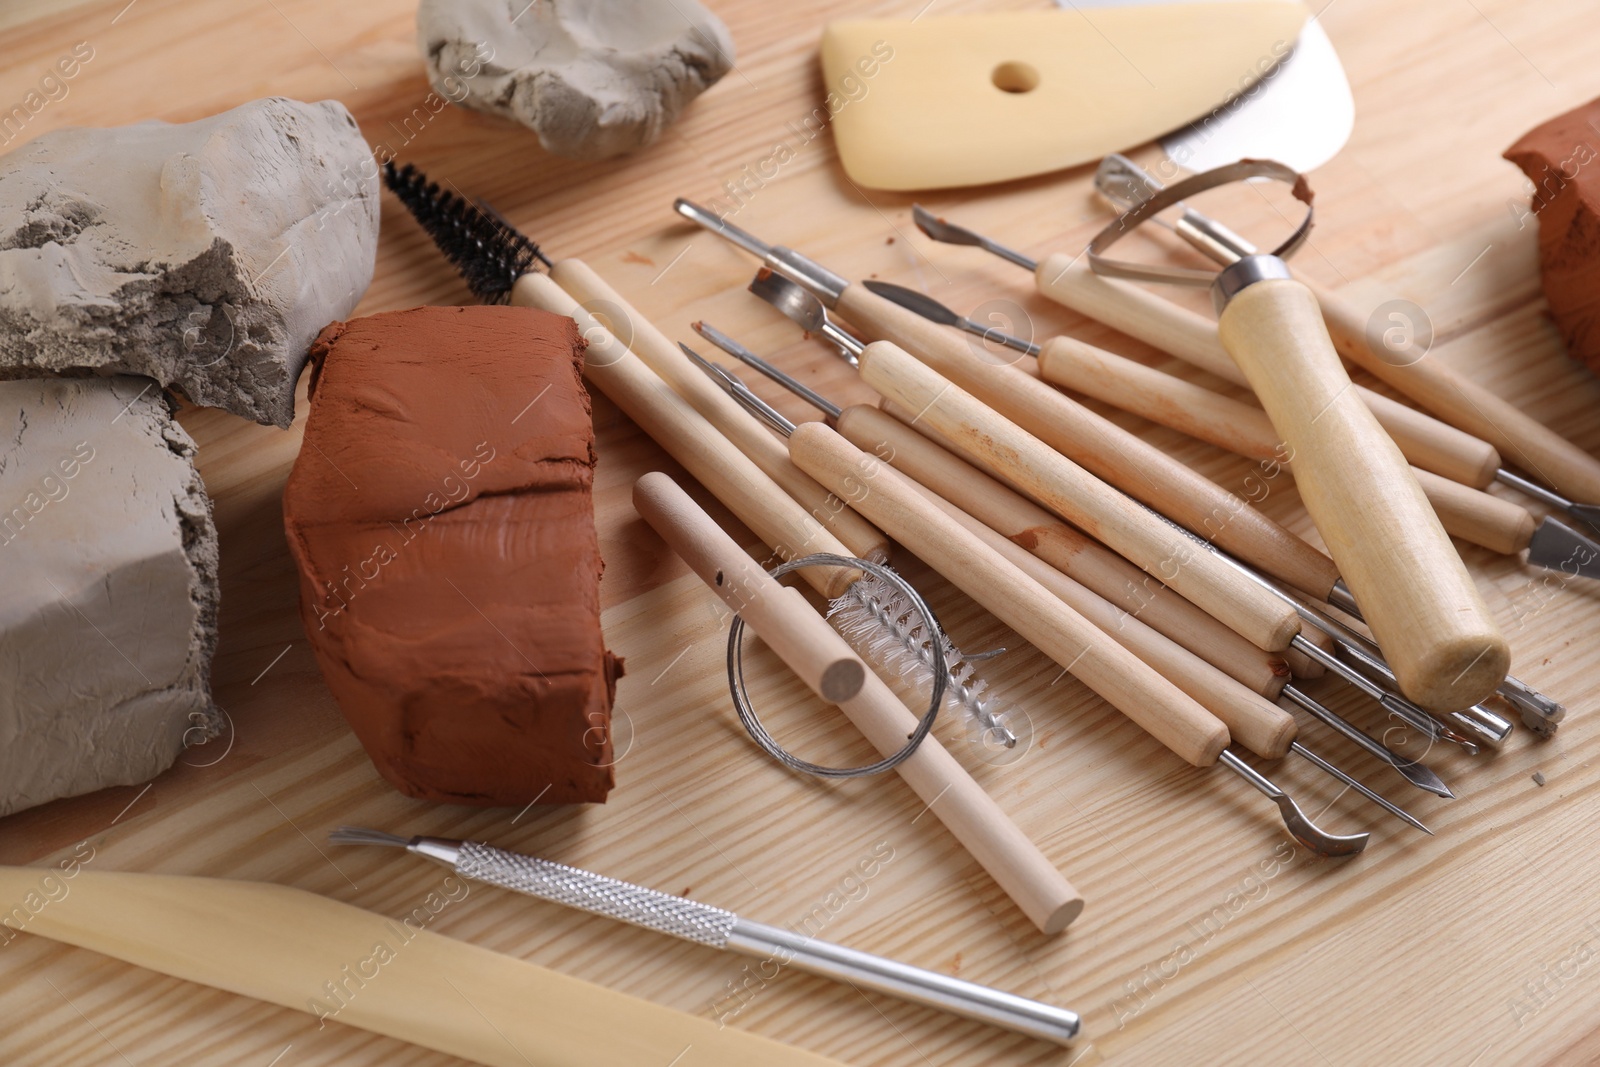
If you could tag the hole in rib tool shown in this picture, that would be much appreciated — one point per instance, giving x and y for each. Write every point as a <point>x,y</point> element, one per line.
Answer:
<point>1436,632</point>
<point>704,924</point>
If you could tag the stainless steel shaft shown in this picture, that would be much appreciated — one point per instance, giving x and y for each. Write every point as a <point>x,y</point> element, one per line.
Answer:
<point>708,925</point>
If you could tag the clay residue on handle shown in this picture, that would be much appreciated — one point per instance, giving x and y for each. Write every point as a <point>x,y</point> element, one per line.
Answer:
<point>441,516</point>
<point>1562,160</point>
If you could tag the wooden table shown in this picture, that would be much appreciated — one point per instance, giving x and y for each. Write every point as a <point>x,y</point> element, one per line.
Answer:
<point>1208,937</point>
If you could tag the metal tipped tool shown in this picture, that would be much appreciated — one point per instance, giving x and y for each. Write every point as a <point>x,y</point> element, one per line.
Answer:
<point>1413,771</point>
<point>783,298</point>
<point>1393,809</point>
<point>805,308</point>
<point>1554,545</point>
<point>734,386</point>
<point>1125,184</point>
<point>1584,513</point>
<point>786,261</point>
<point>691,920</point>
<point>933,311</point>
<point>949,233</point>
<point>1301,828</point>
<point>750,359</point>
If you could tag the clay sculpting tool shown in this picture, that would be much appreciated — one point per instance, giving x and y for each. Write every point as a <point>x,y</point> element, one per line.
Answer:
<point>1423,377</point>
<point>1394,555</point>
<point>717,928</point>
<point>804,641</point>
<point>790,298</point>
<point>1253,720</point>
<point>1146,316</point>
<point>493,258</point>
<point>289,947</point>
<point>1061,545</point>
<point>1163,324</point>
<point>925,90</point>
<point>872,431</point>
<point>1124,183</point>
<point>1094,445</point>
<point>874,613</point>
<point>1242,428</point>
<point>1040,617</point>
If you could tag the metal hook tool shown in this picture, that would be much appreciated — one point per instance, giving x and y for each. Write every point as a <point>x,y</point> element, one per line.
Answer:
<point>1539,712</point>
<point>739,390</point>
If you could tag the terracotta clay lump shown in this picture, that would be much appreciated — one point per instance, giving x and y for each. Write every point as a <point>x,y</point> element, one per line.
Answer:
<point>440,513</point>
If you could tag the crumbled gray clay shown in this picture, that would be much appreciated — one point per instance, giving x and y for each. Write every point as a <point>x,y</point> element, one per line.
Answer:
<point>108,621</point>
<point>594,79</point>
<point>206,254</point>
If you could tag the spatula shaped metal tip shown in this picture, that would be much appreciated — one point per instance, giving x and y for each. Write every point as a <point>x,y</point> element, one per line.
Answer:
<point>921,303</point>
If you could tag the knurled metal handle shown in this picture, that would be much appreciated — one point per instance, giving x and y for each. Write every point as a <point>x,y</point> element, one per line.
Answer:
<point>596,893</point>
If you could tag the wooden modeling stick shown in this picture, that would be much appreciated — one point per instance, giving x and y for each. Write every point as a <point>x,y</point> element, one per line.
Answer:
<point>813,650</point>
<point>750,437</point>
<point>284,945</point>
<point>689,438</point>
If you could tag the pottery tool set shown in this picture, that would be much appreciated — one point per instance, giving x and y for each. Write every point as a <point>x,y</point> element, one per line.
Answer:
<point>641,593</point>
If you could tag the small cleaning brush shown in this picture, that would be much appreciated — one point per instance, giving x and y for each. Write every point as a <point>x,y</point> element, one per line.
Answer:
<point>878,620</point>
<point>491,254</point>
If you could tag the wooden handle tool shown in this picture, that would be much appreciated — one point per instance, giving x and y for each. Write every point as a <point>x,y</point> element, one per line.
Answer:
<point>786,527</point>
<point>1097,445</point>
<point>1252,720</point>
<point>749,436</point>
<point>1149,317</point>
<point>994,443</point>
<point>896,506</point>
<point>1395,557</point>
<point>814,651</point>
<point>303,951</point>
<point>1134,593</point>
<point>1458,400</point>
<point>1244,429</point>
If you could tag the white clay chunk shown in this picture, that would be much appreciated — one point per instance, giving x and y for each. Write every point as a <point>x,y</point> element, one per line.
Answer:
<point>206,254</point>
<point>108,620</point>
<point>594,79</point>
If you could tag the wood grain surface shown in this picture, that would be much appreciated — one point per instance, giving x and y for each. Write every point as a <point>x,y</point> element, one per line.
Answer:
<point>1208,936</point>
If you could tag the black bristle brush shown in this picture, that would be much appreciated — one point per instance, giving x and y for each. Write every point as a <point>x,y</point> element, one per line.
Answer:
<point>488,251</point>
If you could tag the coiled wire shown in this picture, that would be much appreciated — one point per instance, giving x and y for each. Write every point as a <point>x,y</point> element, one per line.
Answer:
<point>752,722</point>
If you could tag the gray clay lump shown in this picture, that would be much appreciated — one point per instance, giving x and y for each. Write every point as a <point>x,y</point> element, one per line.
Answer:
<point>205,255</point>
<point>594,78</point>
<point>108,621</point>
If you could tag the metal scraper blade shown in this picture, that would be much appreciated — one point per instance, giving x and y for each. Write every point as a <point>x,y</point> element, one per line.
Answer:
<point>1558,547</point>
<point>1300,114</point>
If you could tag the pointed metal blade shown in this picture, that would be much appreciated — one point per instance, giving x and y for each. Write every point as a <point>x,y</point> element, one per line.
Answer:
<point>912,300</point>
<point>946,232</point>
<point>1558,547</point>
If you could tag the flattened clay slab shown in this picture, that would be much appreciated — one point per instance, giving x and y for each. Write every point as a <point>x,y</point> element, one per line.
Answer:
<point>206,254</point>
<point>440,513</point>
<point>594,78</point>
<point>109,557</point>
